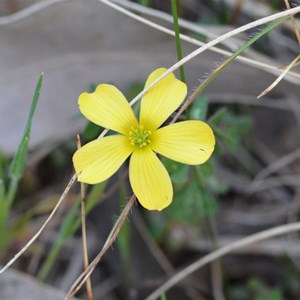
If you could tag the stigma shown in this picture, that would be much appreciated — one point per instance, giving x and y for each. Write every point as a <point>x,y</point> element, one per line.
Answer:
<point>139,137</point>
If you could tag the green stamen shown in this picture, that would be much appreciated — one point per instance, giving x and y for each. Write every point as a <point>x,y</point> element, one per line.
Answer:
<point>139,137</point>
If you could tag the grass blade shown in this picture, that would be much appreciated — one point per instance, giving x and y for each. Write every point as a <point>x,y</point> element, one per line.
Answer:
<point>19,161</point>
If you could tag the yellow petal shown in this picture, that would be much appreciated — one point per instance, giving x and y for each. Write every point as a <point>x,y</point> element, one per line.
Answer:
<point>108,108</point>
<point>188,142</point>
<point>161,100</point>
<point>150,180</point>
<point>100,159</point>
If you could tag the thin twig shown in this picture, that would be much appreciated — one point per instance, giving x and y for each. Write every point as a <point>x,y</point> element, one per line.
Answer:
<point>296,29</point>
<point>279,230</point>
<point>83,230</point>
<point>280,77</point>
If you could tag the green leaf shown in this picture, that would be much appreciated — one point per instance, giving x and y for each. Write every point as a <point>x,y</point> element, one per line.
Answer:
<point>158,224</point>
<point>192,202</point>
<point>18,164</point>
<point>178,172</point>
<point>217,117</point>
<point>275,294</point>
<point>123,241</point>
<point>207,202</point>
<point>199,109</point>
<point>230,128</point>
<point>91,131</point>
<point>211,183</point>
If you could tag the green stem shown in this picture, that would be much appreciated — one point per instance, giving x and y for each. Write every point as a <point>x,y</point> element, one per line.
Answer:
<point>163,296</point>
<point>177,37</point>
<point>8,201</point>
<point>2,187</point>
<point>51,258</point>
<point>11,193</point>
<point>123,241</point>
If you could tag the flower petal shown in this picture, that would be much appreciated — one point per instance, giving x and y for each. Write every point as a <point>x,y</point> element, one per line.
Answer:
<point>150,180</point>
<point>108,108</point>
<point>161,100</point>
<point>100,159</point>
<point>188,142</point>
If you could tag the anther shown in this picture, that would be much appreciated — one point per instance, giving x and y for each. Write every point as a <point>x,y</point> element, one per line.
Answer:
<point>139,137</point>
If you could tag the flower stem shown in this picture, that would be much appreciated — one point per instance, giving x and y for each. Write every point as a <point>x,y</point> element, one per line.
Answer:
<point>177,37</point>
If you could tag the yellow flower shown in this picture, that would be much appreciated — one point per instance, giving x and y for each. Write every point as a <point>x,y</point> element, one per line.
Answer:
<point>189,142</point>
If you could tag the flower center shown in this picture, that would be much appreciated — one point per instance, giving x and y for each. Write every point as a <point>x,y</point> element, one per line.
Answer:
<point>139,137</point>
